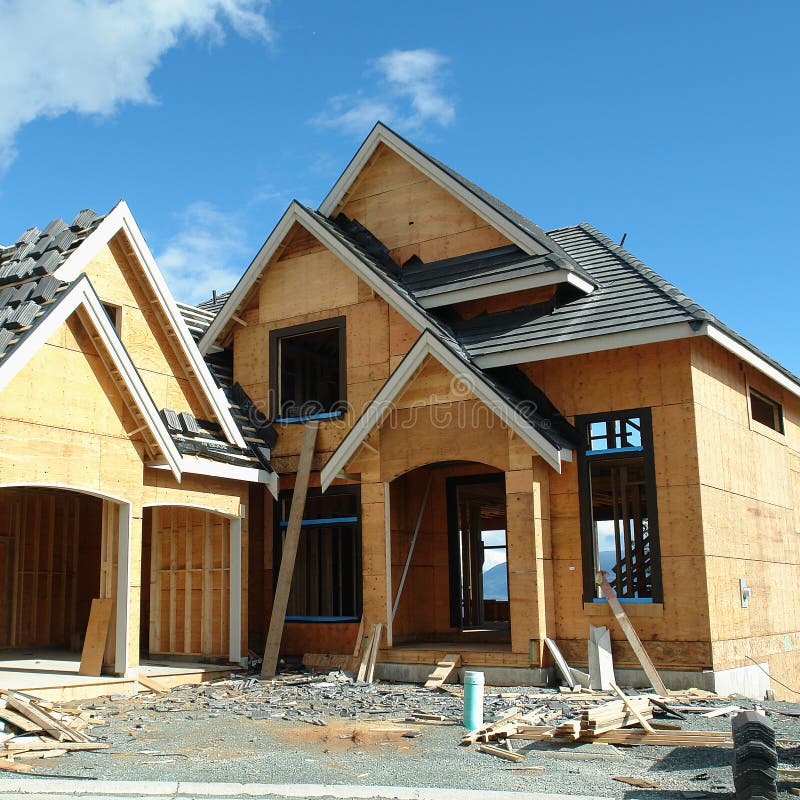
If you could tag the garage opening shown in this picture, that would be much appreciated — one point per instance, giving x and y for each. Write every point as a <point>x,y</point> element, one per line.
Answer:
<point>54,560</point>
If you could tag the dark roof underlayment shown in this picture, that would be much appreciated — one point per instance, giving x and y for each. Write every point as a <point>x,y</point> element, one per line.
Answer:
<point>29,292</point>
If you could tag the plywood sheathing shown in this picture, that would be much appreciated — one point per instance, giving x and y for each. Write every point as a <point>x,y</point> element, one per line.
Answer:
<point>412,215</point>
<point>657,376</point>
<point>749,492</point>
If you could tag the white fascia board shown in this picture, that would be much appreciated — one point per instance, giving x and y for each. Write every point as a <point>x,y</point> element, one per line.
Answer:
<point>381,134</point>
<point>375,413</point>
<point>587,344</point>
<point>121,219</point>
<point>192,465</point>
<point>81,295</point>
<point>751,358</point>
<point>297,214</point>
<point>453,294</point>
<point>581,283</point>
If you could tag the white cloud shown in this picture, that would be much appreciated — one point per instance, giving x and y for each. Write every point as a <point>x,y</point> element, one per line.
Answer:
<point>411,94</point>
<point>90,56</point>
<point>209,251</point>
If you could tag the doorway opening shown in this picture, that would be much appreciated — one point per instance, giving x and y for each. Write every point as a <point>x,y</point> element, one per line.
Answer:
<point>478,553</point>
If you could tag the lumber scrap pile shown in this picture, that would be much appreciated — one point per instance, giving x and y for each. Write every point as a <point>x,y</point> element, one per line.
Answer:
<point>36,729</point>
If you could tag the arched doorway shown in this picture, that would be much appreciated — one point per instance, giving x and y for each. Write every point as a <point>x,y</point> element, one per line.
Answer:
<point>448,525</point>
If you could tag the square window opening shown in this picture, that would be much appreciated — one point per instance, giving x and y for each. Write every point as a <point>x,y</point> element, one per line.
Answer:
<point>766,411</point>
<point>308,376</point>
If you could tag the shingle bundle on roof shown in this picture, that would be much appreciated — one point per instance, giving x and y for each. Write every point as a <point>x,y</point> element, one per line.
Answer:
<point>37,253</point>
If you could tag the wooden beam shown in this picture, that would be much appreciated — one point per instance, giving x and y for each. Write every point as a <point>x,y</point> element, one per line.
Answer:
<point>632,636</point>
<point>289,550</point>
<point>443,670</point>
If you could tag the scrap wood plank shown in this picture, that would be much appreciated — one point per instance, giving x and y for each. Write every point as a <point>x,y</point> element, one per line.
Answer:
<point>329,661</point>
<point>94,644</point>
<point>43,744</point>
<point>289,552</point>
<point>499,752</point>
<point>719,712</point>
<point>561,663</point>
<point>18,721</point>
<point>632,637</point>
<point>631,707</point>
<point>373,654</point>
<point>371,645</point>
<point>639,783</point>
<point>152,684</point>
<point>443,670</point>
<point>49,724</point>
<point>484,732</point>
<point>10,766</point>
<point>359,638</point>
<point>626,736</point>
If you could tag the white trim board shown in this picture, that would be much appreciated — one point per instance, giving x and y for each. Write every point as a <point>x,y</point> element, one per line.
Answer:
<point>193,465</point>
<point>454,293</point>
<point>640,336</point>
<point>380,407</point>
<point>380,134</point>
<point>295,213</point>
<point>82,296</point>
<point>120,219</point>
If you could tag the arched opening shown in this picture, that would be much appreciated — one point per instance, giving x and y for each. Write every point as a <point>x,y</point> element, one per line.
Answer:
<point>449,555</point>
<point>59,549</point>
<point>191,584</point>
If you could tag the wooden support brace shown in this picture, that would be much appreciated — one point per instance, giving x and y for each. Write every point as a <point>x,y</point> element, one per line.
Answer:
<point>632,636</point>
<point>289,551</point>
<point>94,644</point>
<point>631,707</point>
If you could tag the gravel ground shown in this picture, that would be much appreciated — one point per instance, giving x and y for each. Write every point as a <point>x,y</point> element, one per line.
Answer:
<point>334,731</point>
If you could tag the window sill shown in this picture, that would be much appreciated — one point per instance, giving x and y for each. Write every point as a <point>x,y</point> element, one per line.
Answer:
<point>631,609</point>
<point>765,430</point>
<point>309,418</point>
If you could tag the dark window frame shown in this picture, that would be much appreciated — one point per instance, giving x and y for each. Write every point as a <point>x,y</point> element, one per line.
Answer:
<point>583,424</point>
<point>275,336</point>
<point>277,547</point>
<point>776,407</point>
<point>453,534</point>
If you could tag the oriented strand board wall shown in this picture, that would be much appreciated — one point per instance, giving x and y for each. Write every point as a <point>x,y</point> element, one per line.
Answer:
<point>658,376</point>
<point>412,215</point>
<point>304,284</point>
<point>750,482</point>
<point>116,282</point>
<point>189,582</point>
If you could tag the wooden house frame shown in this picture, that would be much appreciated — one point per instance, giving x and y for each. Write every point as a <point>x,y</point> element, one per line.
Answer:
<point>480,388</point>
<point>478,344</point>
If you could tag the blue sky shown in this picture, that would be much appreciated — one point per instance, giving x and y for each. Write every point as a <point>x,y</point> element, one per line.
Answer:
<point>676,123</point>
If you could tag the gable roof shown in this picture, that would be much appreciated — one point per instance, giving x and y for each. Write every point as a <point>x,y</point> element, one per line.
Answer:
<point>42,268</point>
<point>381,406</point>
<point>522,232</point>
<point>120,220</point>
<point>43,318</point>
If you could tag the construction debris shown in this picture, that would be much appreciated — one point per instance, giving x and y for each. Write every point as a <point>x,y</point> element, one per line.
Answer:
<point>36,729</point>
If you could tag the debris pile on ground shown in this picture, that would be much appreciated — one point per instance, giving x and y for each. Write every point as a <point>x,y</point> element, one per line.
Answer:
<point>37,729</point>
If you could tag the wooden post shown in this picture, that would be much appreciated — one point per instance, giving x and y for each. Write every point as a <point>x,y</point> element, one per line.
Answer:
<point>632,636</point>
<point>289,551</point>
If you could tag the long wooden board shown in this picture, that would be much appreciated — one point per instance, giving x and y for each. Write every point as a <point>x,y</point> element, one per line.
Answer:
<point>289,551</point>
<point>601,664</point>
<point>94,644</point>
<point>632,637</point>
